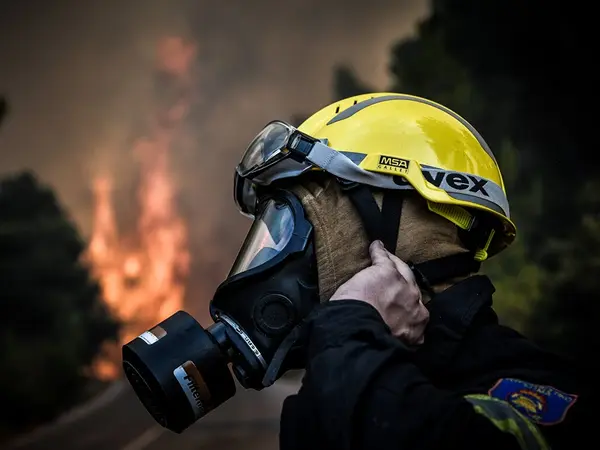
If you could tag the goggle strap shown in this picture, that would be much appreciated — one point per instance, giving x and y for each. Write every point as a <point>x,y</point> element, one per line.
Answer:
<point>300,146</point>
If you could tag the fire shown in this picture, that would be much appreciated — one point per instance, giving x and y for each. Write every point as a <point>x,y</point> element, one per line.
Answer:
<point>143,276</point>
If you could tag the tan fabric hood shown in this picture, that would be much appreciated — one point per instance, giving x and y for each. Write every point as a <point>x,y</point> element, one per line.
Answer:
<point>342,244</point>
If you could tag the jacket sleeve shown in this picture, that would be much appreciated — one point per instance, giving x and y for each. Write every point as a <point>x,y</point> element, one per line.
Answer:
<point>363,391</point>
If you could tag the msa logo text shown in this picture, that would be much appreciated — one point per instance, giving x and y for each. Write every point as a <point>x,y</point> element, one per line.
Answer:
<point>456,181</point>
<point>395,164</point>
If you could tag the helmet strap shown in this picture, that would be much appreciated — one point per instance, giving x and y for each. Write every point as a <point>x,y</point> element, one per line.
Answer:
<point>435,271</point>
<point>391,211</point>
<point>379,224</point>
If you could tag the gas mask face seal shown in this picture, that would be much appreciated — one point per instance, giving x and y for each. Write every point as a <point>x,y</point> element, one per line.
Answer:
<point>182,373</point>
<point>272,285</point>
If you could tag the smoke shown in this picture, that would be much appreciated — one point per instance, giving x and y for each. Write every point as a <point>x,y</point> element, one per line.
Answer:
<point>79,79</point>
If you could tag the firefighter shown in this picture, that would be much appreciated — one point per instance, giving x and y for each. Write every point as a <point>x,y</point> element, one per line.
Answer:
<point>405,351</point>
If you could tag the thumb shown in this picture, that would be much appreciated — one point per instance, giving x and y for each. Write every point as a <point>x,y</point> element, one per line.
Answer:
<point>379,255</point>
<point>403,268</point>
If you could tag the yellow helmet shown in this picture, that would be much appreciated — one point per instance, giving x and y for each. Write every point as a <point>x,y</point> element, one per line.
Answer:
<point>426,146</point>
<point>391,142</point>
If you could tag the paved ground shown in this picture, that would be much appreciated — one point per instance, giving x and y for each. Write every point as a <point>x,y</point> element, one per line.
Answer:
<point>117,421</point>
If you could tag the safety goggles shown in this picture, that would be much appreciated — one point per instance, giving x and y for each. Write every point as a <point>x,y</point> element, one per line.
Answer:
<point>277,141</point>
<point>281,151</point>
<point>278,144</point>
<point>279,230</point>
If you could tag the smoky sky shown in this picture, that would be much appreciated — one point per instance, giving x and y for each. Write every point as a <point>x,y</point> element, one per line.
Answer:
<point>78,76</point>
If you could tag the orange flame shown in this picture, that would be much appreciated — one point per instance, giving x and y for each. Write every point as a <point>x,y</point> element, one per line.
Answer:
<point>143,279</point>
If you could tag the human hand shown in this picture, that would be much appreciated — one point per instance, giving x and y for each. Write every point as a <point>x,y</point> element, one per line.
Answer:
<point>390,287</point>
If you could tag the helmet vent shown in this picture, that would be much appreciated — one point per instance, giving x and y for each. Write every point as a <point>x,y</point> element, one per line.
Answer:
<point>337,110</point>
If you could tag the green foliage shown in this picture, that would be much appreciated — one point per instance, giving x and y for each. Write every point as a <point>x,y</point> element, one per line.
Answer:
<point>518,283</point>
<point>519,280</point>
<point>52,321</point>
<point>569,318</point>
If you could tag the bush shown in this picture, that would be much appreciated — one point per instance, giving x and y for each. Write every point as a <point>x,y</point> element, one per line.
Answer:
<point>52,319</point>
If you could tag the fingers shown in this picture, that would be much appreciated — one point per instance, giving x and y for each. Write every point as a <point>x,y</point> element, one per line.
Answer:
<point>379,255</point>
<point>413,332</point>
<point>403,268</point>
<point>423,317</point>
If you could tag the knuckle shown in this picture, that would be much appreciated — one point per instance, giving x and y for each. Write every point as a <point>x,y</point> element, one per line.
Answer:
<point>389,265</point>
<point>398,276</point>
<point>412,337</point>
<point>403,334</point>
<point>376,272</point>
<point>392,274</point>
<point>413,292</point>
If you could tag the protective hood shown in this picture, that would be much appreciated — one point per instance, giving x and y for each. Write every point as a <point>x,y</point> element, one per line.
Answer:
<point>341,243</point>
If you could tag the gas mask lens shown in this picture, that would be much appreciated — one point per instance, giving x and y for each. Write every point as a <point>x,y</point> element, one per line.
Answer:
<point>267,147</point>
<point>267,238</point>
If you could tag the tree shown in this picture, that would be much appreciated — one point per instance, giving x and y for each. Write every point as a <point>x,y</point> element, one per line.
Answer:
<point>568,320</point>
<point>52,319</point>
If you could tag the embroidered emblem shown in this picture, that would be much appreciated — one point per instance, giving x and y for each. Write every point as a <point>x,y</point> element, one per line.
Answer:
<point>544,405</point>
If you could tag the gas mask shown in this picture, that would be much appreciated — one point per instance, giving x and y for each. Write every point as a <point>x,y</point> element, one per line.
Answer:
<point>179,370</point>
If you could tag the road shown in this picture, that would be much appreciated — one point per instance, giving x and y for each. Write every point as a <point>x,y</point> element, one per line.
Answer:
<point>117,421</point>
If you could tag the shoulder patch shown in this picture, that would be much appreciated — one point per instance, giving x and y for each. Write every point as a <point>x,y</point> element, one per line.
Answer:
<point>544,405</point>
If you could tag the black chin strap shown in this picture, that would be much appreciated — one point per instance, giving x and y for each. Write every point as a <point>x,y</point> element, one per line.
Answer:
<point>391,211</point>
<point>384,225</point>
<point>432,272</point>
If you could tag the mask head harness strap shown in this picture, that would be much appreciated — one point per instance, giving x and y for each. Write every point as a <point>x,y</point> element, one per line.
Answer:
<point>384,225</point>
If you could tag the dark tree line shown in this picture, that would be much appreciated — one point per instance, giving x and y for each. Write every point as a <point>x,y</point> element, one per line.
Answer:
<point>52,319</point>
